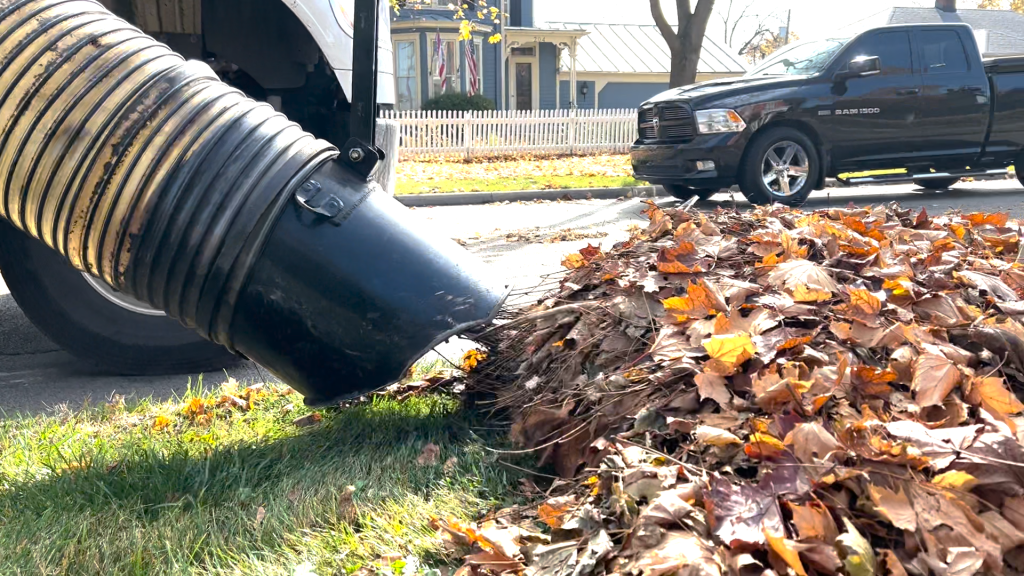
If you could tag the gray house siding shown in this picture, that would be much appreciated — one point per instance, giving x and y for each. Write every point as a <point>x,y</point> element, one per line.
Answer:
<point>547,76</point>
<point>628,94</point>
<point>491,61</point>
<point>527,17</point>
<point>565,99</point>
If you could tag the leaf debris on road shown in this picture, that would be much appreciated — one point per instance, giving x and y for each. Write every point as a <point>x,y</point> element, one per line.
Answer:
<point>769,392</point>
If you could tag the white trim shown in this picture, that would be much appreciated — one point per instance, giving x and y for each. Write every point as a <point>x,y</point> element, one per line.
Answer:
<point>413,39</point>
<point>646,77</point>
<point>534,62</point>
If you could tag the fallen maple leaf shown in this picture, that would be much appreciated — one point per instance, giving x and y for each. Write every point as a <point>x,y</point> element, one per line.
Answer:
<point>955,480</point>
<point>714,387</point>
<point>742,514</point>
<point>471,359</point>
<point>784,548</point>
<point>700,301</point>
<point>935,377</point>
<point>991,393</point>
<point>894,507</point>
<point>555,511</point>
<point>811,441</point>
<point>813,522</point>
<point>715,436</point>
<point>682,259</point>
<point>731,350</point>
<point>997,219</point>
<point>762,445</point>
<point>804,280</point>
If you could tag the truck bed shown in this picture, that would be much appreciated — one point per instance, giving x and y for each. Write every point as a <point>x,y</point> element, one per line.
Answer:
<point>1006,77</point>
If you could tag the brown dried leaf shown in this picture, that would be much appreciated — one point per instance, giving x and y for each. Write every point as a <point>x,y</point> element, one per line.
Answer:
<point>813,522</point>
<point>934,378</point>
<point>715,436</point>
<point>810,442</point>
<point>714,387</point>
<point>682,259</point>
<point>677,553</point>
<point>556,511</point>
<point>894,506</point>
<point>804,280</point>
<point>742,514</point>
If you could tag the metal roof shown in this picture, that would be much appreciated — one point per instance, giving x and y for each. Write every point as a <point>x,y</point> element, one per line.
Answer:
<point>638,49</point>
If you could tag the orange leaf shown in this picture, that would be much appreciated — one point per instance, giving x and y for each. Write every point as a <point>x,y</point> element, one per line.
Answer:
<point>992,393</point>
<point>995,219</point>
<point>873,381</point>
<point>574,261</point>
<point>700,302</point>
<point>679,260</point>
<point>161,422</point>
<point>554,511</point>
<point>769,261</point>
<point>785,550</point>
<point>762,445</point>
<point>590,252</point>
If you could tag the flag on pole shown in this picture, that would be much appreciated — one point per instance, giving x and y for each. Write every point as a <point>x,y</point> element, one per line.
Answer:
<point>441,68</point>
<point>471,67</point>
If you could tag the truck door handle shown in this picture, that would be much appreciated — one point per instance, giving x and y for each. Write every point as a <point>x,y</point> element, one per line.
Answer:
<point>908,92</point>
<point>975,89</point>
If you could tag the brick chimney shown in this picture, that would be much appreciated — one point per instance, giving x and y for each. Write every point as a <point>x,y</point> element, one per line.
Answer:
<point>945,5</point>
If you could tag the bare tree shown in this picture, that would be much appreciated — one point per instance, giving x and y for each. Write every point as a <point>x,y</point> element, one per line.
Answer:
<point>685,41</point>
<point>739,17</point>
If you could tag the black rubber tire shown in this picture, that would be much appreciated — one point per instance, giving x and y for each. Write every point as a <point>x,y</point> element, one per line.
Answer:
<point>63,306</point>
<point>750,179</point>
<point>685,192</point>
<point>937,184</point>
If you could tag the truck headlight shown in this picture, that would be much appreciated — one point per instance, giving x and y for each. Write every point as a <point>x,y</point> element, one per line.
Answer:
<point>712,121</point>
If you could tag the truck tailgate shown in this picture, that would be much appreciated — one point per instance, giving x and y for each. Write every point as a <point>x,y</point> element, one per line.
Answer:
<point>1006,76</point>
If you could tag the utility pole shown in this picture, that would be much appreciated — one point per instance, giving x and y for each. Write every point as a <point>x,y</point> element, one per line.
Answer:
<point>789,15</point>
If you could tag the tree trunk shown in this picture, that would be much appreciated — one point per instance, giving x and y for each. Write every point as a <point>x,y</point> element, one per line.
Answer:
<point>684,68</point>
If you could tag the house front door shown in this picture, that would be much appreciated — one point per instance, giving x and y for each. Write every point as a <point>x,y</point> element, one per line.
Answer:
<point>523,85</point>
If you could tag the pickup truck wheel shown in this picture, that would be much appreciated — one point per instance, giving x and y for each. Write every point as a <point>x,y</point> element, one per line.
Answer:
<point>685,192</point>
<point>781,167</point>
<point>93,322</point>
<point>937,183</point>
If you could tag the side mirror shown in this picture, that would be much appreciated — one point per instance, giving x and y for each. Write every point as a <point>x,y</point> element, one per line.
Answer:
<point>860,67</point>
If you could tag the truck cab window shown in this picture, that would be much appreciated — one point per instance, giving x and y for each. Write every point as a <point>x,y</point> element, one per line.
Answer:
<point>892,49</point>
<point>943,52</point>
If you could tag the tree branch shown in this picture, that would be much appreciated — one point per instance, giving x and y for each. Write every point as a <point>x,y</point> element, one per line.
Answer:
<point>664,27</point>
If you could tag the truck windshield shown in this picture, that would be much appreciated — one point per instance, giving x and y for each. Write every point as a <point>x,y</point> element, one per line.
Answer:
<point>802,59</point>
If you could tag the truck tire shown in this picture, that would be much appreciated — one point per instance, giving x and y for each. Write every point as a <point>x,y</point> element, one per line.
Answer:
<point>76,316</point>
<point>936,183</point>
<point>776,157</point>
<point>685,192</point>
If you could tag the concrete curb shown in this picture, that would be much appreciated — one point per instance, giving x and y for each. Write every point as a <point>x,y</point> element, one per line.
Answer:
<point>471,198</point>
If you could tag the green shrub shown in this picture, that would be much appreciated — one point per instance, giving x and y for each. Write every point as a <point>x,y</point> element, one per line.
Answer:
<point>459,102</point>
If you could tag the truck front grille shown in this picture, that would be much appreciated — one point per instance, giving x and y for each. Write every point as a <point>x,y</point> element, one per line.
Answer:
<point>667,122</point>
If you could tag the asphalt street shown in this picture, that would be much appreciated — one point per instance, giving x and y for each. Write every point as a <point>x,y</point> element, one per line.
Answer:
<point>524,242</point>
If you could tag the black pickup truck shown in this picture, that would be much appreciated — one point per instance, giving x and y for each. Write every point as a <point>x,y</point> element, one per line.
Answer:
<point>913,97</point>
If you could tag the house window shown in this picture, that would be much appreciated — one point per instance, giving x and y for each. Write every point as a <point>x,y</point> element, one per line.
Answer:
<point>450,81</point>
<point>407,88</point>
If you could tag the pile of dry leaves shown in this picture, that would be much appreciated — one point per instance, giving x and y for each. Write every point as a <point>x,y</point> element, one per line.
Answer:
<point>771,392</point>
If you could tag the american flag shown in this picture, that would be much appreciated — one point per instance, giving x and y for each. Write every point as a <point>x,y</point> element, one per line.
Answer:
<point>471,67</point>
<point>441,68</point>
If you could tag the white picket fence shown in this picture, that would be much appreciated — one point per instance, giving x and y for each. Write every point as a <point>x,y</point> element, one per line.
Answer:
<point>509,132</point>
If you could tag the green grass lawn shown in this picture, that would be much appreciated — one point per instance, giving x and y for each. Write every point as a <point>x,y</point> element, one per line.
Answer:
<point>150,489</point>
<point>409,186</point>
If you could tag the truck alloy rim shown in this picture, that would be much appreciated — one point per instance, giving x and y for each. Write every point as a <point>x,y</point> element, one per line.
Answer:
<point>784,168</point>
<point>123,300</point>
